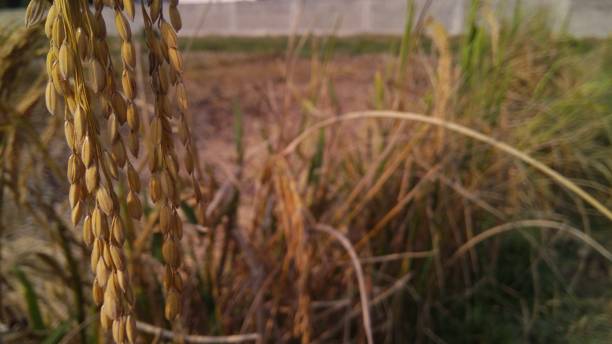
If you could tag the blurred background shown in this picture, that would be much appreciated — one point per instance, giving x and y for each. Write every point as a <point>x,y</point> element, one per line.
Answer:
<point>457,238</point>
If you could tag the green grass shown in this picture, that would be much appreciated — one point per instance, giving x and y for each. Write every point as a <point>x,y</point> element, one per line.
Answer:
<point>278,45</point>
<point>346,45</point>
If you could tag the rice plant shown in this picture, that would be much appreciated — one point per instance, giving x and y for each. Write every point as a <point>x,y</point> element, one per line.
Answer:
<point>470,205</point>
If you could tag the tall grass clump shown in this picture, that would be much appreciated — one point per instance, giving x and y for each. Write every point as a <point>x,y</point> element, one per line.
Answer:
<point>471,203</point>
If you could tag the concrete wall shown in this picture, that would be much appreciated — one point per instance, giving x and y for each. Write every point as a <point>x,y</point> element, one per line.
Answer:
<point>282,17</point>
<point>587,18</point>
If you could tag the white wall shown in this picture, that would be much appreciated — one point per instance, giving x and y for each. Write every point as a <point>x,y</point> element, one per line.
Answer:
<point>349,17</point>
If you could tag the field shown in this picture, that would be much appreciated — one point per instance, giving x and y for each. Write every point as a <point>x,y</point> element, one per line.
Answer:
<point>422,188</point>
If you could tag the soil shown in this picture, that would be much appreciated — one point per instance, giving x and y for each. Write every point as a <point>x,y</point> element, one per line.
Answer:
<point>267,90</point>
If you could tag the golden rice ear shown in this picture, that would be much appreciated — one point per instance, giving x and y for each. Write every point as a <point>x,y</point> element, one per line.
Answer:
<point>117,231</point>
<point>128,54</point>
<point>175,18</point>
<point>133,178</point>
<point>178,282</point>
<point>74,194</point>
<point>105,321</point>
<point>58,34</point>
<point>97,292</point>
<point>155,9</point>
<point>95,252</point>
<point>156,131</point>
<point>118,330</point>
<point>51,98</point>
<point>97,76</point>
<point>173,306</point>
<point>133,118</point>
<point>77,212</point>
<point>155,190</point>
<point>123,27</point>
<point>73,173</point>
<point>100,25</point>
<point>70,101</point>
<point>101,53</point>
<point>104,200</point>
<point>167,278</point>
<point>168,34</point>
<point>133,143</point>
<point>80,125</point>
<point>78,41</point>
<point>56,78</point>
<point>134,206</point>
<point>119,153</point>
<point>181,97</point>
<point>113,128</point>
<point>66,60</point>
<point>51,15</point>
<point>102,272</point>
<point>165,215</point>
<point>82,44</point>
<point>122,281</point>
<point>35,12</point>
<point>119,106</point>
<point>87,152</point>
<point>88,237</point>
<point>176,60</point>
<point>111,165</point>
<point>129,86</point>
<point>106,257</point>
<point>163,76</point>
<point>130,329</point>
<point>171,253</point>
<point>128,5</point>
<point>117,258</point>
<point>92,178</point>
<point>111,304</point>
<point>99,225</point>
<point>51,60</point>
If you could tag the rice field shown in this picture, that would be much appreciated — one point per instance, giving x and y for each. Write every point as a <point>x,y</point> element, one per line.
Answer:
<point>317,189</point>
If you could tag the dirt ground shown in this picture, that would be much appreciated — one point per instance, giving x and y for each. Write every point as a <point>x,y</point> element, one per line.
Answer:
<point>268,90</point>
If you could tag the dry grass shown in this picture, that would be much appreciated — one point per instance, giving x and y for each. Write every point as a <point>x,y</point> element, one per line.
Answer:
<point>517,135</point>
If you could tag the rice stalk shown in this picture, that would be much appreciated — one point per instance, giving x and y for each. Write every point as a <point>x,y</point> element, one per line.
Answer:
<point>571,186</point>
<point>530,223</point>
<point>81,75</point>
<point>367,323</point>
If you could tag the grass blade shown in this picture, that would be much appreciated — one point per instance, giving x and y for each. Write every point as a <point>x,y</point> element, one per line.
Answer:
<point>556,176</point>
<point>31,300</point>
